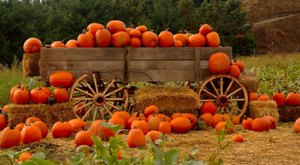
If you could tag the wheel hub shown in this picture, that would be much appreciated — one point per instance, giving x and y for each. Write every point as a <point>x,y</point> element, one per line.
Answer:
<point>223,101</point>
<point>99,99</point>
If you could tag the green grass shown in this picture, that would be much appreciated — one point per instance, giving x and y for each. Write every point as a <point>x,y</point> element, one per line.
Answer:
<point>277,72</point>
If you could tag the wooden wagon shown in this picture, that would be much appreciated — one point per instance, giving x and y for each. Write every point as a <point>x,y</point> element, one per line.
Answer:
<point>102,74</point>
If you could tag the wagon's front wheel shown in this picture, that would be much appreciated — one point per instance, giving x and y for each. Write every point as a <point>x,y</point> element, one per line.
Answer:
<point>226,92</point>
<point>94,98</point>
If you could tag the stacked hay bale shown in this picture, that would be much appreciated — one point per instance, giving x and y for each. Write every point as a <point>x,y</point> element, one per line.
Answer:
<point>250,81</point>
<point>30,64</point>
<point>263,108</point>
<point>48,113</point>
<point>168,99</point>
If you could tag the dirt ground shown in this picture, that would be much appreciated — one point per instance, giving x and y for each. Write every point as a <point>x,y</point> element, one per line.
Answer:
<point>275,24</point>
<point>279,146</point>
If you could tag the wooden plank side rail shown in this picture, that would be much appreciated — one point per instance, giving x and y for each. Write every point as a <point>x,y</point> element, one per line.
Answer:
<point>131,64</point>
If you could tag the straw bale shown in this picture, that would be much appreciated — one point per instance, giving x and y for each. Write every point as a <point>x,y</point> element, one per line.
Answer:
<point>30,64</point>
<point>250,81</point>
<point>289,113</point>
<point>168,99</point>
<point>263,108</point>
<point>48,113</point>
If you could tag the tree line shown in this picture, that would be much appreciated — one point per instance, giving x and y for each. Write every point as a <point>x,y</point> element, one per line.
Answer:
<point>52,20</point>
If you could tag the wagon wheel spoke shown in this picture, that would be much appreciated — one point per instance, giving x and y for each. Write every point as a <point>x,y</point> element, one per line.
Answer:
<point>234,92</point>
<point>231,100</point>
<point>107,109</point>
<point>85,92</point>
<point>95,114</point>
<point>229,86</point>
<point>221,110</point>
<point>82,99</point>
<point>227,110</point>
<point>214,87</point>
<point>209,93</point>
<point>108,86</point>
<point>95,82</point>
<point>89,86</point>
<point>85,105</point>
<point>205,100</point>
<point>115,91</point>
<point>88,111</point>
<point>115,99</point>
<point>221,85</point>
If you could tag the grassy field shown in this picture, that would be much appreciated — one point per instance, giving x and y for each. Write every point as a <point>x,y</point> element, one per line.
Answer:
<point>275,71</point>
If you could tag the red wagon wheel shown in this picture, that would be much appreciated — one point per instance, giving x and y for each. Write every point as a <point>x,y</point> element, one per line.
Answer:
<point>226,92</point>
<point>93,98</point>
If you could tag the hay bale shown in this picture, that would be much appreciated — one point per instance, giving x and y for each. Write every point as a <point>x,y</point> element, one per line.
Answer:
<point>30,64</point>
<point>250,81</point>
<point>48,113</point>
<point>168,99</point>
<point>289,113</point>
<point>263,108</point>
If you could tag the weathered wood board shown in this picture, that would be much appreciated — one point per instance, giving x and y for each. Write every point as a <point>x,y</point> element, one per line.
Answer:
<point>131,64</point>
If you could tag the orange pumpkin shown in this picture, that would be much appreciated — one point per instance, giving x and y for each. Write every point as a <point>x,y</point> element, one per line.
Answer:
<point>153,123</point>
<point>165,127</point>
<point>234,71</point>
<point>77,124</point>
<point>150,110</point>
<point>237,138</point>
<point>217,118</point>
<point>32,45</point>
<point>117,121</point>
<point>213,39</point>
<point>264,97</point>
<point>175,115</point>
<point>93,27</point>
<point>57,44</point>
<point>84,138</point>
<point>225,125</point>
<point>12,91</point>
<point>153,135</point>
<point>279,98</point>
<point>196,40</point>
<point>30,134</point>
<point>60,95</point>
<point>253,96</point>
<point>193,119</point>
<point>136,138</point>
<point>20,126</point>
<point>10,137</point>
<point>62,79</point>
<point>115,26</point>
<point>120,39</point>
<point>42,126</point>
<point>136,116</point>
<point>135,42</point>
<point>219,63</point>
<point>103,132</point>
<point>204,29</point>
<point>32,119</point>
<point>260,124</point>
<point>181,37</point>
<point>296,127</point>
<point>208,107</point>
<point>39,96</point>
<point>103,38</point>
<point>142,28</point>
<point>177,44</point>
<point>72,44</point>
<point>21,96</point>
<point>239,63</point>
<point>24,157</point>
<point>140,124</point>
<point>62,129</point>
<point>207,118</point>
<point>165,39</point>
<point>181,125</point>
<point>149,39</point>
<point>293,99</point>
<point>272,121</point>
<point>135,33</point>
<point>124,115</point>
<point>86,39</point>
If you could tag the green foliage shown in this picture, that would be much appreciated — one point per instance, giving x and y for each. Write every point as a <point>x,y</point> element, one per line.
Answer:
<point>52,20</point>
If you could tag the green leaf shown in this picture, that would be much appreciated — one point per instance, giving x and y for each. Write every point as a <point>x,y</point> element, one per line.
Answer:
<point>39,154</point>
<point>171,156</point>
<point>115,128</point>
<point>38,161</point>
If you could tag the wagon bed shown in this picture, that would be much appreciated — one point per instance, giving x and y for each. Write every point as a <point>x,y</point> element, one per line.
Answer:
<point>101,75</point>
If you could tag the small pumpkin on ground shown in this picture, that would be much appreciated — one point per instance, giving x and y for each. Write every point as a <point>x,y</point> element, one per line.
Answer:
<point>84,138</point>
<point>136,138</point>
<point>181,125</point>
<point>30,133</point>
<point>10,137</point>
<point>62,130</point>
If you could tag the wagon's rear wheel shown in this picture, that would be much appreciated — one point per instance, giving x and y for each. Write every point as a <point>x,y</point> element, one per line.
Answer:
<point>226,92</point>
<point>94,98</point>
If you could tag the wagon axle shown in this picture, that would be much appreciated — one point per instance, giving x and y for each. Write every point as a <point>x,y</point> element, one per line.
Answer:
<point>223,101</point>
